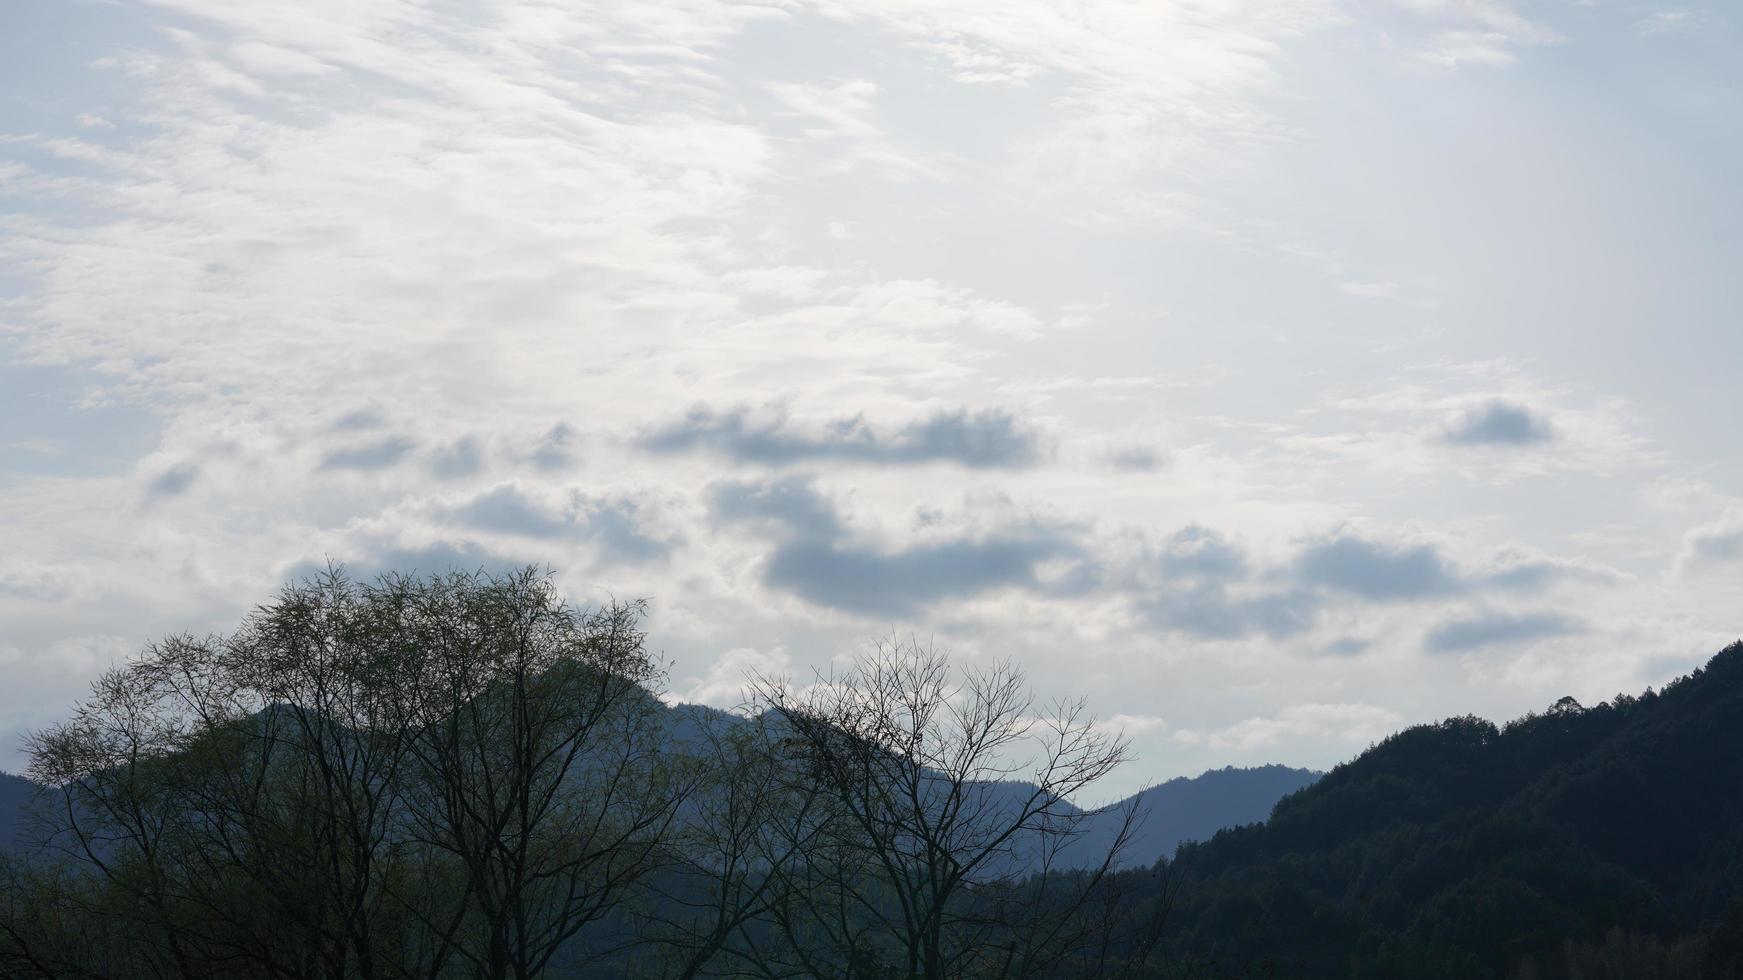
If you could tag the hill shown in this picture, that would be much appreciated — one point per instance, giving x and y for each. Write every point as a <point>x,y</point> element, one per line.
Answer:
<point>1187,808</point>
<point>16,793</point>
<point>1194,808</point>
<point>1602,841</point>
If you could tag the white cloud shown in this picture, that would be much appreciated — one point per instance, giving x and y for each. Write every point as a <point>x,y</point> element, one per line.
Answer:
<point>21,578</point>
<point>1713,546</point>
<point>1123,724</point>
<point>1370,290</point>
<point>1349,724</point>
<point>845,113</point>
<point>728,677</point>
<point>1476,32</point>
<point>1665,22</point>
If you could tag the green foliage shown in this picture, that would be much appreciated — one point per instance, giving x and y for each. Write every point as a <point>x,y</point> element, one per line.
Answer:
<point>1581,842</point>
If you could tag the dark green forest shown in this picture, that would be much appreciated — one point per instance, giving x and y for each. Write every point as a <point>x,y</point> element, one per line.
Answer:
<point>1586,842</point>
<point>464,776</point>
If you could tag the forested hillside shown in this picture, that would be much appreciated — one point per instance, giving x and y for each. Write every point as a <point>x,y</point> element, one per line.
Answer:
<point>16,793</point>
<point>1586,841</point>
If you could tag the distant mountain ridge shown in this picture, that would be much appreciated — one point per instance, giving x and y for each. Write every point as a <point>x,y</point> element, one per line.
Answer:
<point>1194,808</point>
<point>1185,808</point>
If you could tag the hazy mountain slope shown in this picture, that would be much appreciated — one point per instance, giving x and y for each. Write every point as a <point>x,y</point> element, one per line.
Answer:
<point>1185,808</point>
<point>1195,808</point>
<point>1181,809</point>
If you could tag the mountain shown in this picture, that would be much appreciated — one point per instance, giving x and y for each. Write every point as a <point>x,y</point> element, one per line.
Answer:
<point>1602,841</point>
<point>15,793</point>
<point>1186,808</point>
<point>1181,809</point>
<point>1194,808</point>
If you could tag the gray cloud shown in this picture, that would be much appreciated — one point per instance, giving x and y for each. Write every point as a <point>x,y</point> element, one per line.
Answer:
<point>1210,612</point>
<point>557,448</point>
<point>1348,646</point>
<point>897,583</point>
<point>1496,629</point>
<point>462,457</point>
<point>172,482</point>
<point>1137,459</point>
<point>816,561</point>
<point>360,420</point>
<point>615,526</point>
<point>1717,545</point>
<point>792,502</point>
<point>1498,423</point>
<point>1200,594</point>
<point>1209,589</point>
<point>612,524</point>
<point>985,439</point>
<point>609,524</point>
<point>377,455</point>
<point>1382,573</point>
<point>1199,552</point>
<point>505,510</point>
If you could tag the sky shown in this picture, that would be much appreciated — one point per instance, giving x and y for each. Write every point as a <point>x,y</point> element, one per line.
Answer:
<point>1271,374</point>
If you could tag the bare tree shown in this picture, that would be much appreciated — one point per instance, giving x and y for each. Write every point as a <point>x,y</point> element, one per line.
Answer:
<point>541,777</point>
<point>432,777</point>
<point>465,776</point>
<point>953,848</point>
<point>236,794</point>
<point>748,822</point>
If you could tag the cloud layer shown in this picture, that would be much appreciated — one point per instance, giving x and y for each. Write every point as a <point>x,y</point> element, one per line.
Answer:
<point>985,439</point>
<point>1272,372</point>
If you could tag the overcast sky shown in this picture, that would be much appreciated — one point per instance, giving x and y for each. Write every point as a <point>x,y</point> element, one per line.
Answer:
<point>1271,373</point>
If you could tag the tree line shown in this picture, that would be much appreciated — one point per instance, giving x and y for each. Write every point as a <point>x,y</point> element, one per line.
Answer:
<point>465,776</point>
<point>1600,842</point>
